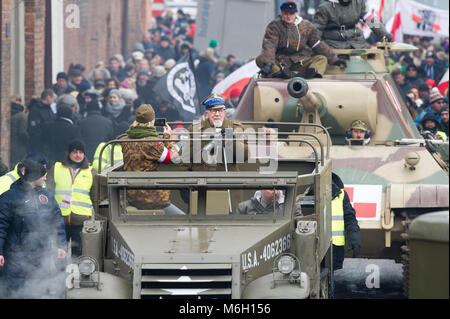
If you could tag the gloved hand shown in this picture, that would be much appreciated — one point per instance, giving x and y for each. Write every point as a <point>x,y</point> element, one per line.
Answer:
<point>355,243</point>
<point>341,63</point>
<point>267,68</point>
<point>389,37</point>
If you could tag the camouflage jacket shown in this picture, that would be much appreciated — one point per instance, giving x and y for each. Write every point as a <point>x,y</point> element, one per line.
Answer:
<point>146,157</point>
<point>293,43</point>
<point>337,24</point>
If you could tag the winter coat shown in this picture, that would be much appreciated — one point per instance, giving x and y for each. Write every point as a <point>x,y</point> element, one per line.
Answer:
<point>57,138</point>
<point>40,115</point>
<point>19,133</point>
<point>352,231</point>
<point>166,53</point>
<point>146,157</point>
<point>434,71</point>
<point>254,206</point>
<point>291,44</point>
<point>204,72</point>
<point>94,129</point>
<point>31,231</point>
<point>331,16</point>
<point>145,92</point>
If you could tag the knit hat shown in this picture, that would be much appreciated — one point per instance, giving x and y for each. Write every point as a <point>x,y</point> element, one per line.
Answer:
<point>62,75</point>
<point>430,82</point>
<point>213,43</point>
<point>64,110</point>
<point>435,96</point>
<point>93,106</point>
<point>444,108</point>
<point>76,145</point>
<point>145,114</point>
<point>137,55</point>
<point>66,99</point>
<point>33,170</point>
<point>37,157</point>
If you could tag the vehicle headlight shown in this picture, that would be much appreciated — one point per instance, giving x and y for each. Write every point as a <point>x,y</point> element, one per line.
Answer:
<point>286,264</point>
<point>86,266</point>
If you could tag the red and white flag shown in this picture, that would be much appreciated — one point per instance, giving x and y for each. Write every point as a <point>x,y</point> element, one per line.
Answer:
<point>412,17</point>
<point>366,200</point>
<point>238,79</point>
<point>394,25</point>
<point>443,85</point>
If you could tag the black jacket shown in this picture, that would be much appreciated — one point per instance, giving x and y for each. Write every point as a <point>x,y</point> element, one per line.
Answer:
<point>57,138</point>
<point>31,231</point>
<point>40,114</point>
<point>94,129</point>
<point>352,231</point>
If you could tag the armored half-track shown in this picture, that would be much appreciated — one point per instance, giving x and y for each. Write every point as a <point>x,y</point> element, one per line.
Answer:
<point>213,250</point>
<point>398,176</point>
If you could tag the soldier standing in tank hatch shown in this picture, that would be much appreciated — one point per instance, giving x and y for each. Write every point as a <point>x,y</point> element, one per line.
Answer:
<point>336,21</point>
<point>292,44</point>
<point>358,133</point>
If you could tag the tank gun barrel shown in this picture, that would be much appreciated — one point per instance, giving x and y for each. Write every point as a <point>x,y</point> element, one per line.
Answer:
<point>298,88</point>
<point>419,141</point>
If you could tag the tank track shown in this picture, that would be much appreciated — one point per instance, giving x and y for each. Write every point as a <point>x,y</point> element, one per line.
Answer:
<point>408,217</point>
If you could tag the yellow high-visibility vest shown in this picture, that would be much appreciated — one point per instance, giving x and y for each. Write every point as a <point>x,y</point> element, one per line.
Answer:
<point>73,197</point>
<point>337,220</point>
<point>106,156</point>
<point>8,179</point>
<point>442,135</point>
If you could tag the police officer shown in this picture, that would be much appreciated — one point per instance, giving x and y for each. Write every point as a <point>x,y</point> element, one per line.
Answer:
<point>9,178</point>
<point>287,46</point>
<point>344,224</point>
<point>336,22</point>
<point>31,234</point>
<point>72,183</point>
<point>358,133</point>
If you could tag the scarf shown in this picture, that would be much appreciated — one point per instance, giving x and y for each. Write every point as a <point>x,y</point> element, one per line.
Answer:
<point>139,132</point>
<point>115,109</point>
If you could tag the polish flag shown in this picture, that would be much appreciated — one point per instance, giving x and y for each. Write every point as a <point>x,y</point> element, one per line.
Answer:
<point>366,200</point>
<point>394,25</point>
<point>238,79</point>
<point>443,85</point>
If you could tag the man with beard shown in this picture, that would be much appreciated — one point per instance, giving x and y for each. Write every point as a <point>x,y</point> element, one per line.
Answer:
<point>31,235</point>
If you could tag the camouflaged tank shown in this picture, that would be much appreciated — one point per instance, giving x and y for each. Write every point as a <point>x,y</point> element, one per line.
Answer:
<point>390,181</point>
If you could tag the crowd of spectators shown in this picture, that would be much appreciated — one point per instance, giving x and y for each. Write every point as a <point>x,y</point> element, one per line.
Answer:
<point>98,105</point>
<point>417,75</point>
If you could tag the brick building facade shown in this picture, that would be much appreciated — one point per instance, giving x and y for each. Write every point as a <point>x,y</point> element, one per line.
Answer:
<point>101,29</point>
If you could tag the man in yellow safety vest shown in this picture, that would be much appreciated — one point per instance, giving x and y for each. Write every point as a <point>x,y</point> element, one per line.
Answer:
<point>9,178</point>
<point>106,156</point>
<point>72,183</point>
<point>344,224</point>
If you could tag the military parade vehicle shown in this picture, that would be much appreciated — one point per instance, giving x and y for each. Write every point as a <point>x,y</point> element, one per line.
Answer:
<point>428,253</point>
<point>395,178</point>
<point>212,251</point>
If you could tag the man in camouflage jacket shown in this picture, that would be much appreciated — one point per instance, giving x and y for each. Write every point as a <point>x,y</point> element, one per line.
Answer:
<point>336,21</point>
<point>292,44</point>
